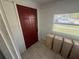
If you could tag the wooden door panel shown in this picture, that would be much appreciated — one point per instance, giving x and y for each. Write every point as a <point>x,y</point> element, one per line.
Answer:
<point>28,20</point>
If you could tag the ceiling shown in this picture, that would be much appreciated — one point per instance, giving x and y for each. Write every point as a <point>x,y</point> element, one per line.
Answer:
<point>42,1</point>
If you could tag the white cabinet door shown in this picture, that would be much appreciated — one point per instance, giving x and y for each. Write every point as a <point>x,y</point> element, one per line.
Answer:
<point>13,23</point>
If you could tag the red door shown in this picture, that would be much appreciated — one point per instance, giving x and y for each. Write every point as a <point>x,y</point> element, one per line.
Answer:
<point>28,20</point>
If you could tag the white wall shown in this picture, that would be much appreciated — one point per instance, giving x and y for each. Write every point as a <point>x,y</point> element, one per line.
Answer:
<point>13,20</point>
<point>58,7</point>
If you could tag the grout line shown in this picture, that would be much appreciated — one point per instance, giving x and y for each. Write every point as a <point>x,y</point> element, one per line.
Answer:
<point>70,50</point>
<point>61,45</point>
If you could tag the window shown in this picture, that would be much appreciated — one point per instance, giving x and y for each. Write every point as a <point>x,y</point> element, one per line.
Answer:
<point>67,23</point>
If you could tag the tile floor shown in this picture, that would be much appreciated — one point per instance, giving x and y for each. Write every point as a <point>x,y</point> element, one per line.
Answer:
<point>40,51</point>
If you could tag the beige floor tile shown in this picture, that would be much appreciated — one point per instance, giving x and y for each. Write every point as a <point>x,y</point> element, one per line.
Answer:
<point>40,51</point>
